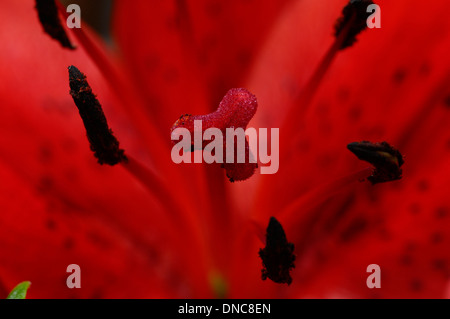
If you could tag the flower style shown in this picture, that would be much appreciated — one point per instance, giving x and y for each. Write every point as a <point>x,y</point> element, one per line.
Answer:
<point>148,228</point>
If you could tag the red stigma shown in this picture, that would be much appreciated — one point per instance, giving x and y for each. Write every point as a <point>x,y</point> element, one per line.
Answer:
<point>235,110</point>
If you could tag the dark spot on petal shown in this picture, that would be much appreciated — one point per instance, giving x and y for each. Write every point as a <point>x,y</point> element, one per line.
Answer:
<point>406,260</point>
<point>69,243</point>
<point>356,227</point>
<point>355,112</point>
<point>69,145</point>
<point>339,212</point>
<point>304,145</point>
<point>98,240</point>
<point>442,212</point>
<point>441,266</point>
<point>415,208</point>
<point>173,23</point>
<point>46,184</point>
<point>417,285</point>
<point>447,101</point>
<point>208,44</point>
<point>373,196</point>
<point>325,160</point>
<point>50,224</point>
<point>243,58</point>
<point>423,185</point>
<point>182,19</point>
<point>385,234</point>
<point>72,174</point>
<point>410,246</point>
<point>436,238</point>
<point>97,294</point>
<point>213,8</point>
<point>399,76</point>
<point>320,256</point>
<point>425,69</point>
<point>45,154</point>
<point>447,145</point>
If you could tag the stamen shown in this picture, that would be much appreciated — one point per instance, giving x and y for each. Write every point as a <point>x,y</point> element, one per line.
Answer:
<point>48,16</point>
<point>132,101</point>
<point>103,143</point>
<point>347,27</point>
<point>236,110</point>
<point>278,255</point>
<point>386,159</point>
<point>106,147</point>
<point>352,22</point>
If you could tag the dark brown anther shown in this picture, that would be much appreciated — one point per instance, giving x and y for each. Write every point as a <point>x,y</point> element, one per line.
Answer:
<point>103,143</point>
<point>386,159</point>
<point>278,255</point>
<point>48,16</point>
<point>353,21</point>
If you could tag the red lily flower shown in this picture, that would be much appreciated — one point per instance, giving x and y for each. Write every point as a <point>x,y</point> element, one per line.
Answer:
<point>154,229</point>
